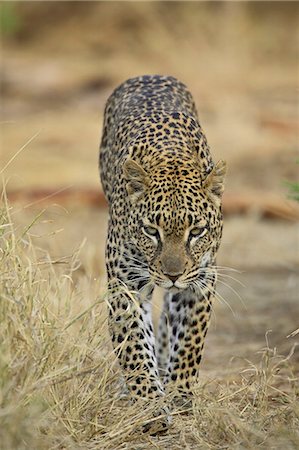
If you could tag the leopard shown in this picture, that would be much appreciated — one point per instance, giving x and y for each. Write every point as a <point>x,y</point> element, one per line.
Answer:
<point>164,194</point>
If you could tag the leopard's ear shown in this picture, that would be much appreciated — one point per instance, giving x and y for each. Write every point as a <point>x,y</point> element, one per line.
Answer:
<point>136,177</point>
<point>214,182</point>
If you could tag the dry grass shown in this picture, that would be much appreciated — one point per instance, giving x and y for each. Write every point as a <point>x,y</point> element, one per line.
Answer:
<point>60,387</point>
<point>60,384</point>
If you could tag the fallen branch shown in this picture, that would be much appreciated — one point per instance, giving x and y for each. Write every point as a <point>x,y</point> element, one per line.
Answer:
<point>267,205</point>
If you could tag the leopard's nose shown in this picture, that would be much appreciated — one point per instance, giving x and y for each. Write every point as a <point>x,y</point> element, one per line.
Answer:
<point>173,276</point>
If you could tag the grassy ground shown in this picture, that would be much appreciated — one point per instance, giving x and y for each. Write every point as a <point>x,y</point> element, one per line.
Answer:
<point>60,383</point>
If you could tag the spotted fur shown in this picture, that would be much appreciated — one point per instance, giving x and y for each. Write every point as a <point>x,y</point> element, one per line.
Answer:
<point>165,226</point>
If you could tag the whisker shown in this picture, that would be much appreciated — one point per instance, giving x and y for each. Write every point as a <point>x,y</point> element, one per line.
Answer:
<point>201,286</point>
<point>218,296</point>
<point>138,278</point>
<point>234,291</point>
<point>156,276</point>
<point>198,284</point>
<point>219,274</point>
<point>231,278</point>
<point>226,268</point>
<point>224,275</point>
<point>138,269</point>
<point>196,273</point>
<point>221,298</point>
<point>132,258</point>
<point>146,285</point>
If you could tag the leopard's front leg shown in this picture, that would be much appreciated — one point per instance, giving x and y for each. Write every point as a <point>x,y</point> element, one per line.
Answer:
<point>189,317</point>
<point>163,338</point>
<point>131,330</point>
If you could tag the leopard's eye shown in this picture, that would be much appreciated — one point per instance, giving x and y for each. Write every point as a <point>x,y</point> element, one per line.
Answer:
<point>150,231</point>
<point>198,232</point>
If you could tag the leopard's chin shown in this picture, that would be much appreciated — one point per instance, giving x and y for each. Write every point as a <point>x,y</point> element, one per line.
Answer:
<point>174,290</point>
<point>172,287</point>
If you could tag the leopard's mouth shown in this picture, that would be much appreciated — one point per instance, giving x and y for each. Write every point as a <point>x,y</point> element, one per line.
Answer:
<point>164,282</point>
<point>198,282</point>
<point>171,286</point>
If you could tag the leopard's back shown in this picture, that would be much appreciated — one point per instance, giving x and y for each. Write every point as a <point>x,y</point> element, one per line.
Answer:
<point>131,110</point>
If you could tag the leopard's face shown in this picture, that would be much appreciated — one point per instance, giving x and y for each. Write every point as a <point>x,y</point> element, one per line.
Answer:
<point>175,221</point>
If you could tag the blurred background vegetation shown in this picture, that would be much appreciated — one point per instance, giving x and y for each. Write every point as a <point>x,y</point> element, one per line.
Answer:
<point>60,62</point>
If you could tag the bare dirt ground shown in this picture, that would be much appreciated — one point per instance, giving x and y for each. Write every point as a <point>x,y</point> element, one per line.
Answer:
<point>239,62</point>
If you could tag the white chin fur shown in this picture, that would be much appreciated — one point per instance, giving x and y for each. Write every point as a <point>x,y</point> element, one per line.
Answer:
<point>177,286</point>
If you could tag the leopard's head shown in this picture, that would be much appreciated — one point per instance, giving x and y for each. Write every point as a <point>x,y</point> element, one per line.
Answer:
<point>175,219</point>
